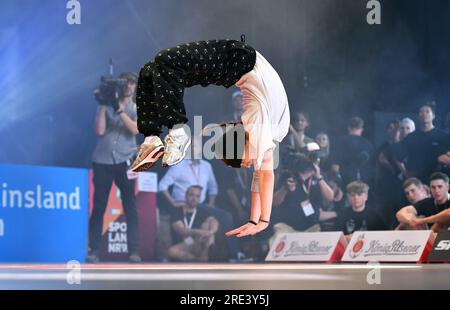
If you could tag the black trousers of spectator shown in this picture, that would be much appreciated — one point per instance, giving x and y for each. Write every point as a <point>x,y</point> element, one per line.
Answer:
<point>104,175</point>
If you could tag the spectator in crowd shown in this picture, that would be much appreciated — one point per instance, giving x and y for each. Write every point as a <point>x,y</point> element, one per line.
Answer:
<point>407,126</point>
<point>387,184</point>
<point>191,171</point>
<point>354,154</point>
<point>418,153</point>
<point>237,103</point>
<point>319,197</point>
<point>197,171</point>
<point>297,138</point>
<point>335,205</point>
<point>360,216</point>
<point>415,191</point>
<point>325,159</point>
<point>294,211</point>
<point>438,202</point>
<point>194,229</point>
<point>116,127</point>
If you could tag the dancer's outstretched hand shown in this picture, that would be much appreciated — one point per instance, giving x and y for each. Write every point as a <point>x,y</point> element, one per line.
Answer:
<point>248,229</point>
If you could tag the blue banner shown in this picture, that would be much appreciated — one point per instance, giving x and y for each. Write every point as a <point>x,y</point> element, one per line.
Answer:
<point>43,213</point>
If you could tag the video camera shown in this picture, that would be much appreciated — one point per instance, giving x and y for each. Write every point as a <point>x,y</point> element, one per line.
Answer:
<point>111,89</point>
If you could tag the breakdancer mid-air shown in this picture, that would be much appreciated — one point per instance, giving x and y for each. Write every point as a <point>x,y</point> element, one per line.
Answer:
<point>265,118</point>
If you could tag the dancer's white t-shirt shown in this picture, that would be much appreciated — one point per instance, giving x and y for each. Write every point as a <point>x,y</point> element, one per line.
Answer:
<point>266,110</point>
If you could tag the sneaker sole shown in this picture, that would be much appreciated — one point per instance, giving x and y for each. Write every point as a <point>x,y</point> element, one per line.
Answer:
<point>165,165</point>
<point>150,160</point>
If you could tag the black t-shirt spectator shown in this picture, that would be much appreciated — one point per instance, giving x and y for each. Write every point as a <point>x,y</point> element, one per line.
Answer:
<point>178,215</point>
<point>350,221</point>
<point>296,210</point>
<point>420,150</point>
<point>427,207</point>
<point>354,155</point>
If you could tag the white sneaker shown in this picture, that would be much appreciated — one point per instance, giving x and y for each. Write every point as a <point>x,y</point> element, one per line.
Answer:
<point>177,142</point>
<point>149,153</point>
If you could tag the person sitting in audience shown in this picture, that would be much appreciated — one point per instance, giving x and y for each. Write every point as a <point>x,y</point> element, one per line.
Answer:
<point>294,211</point>
<point>297,138</point>
<point>415,191</point>
<point>194,228</point>
<point>360,216</point>
<point>337,204</point>
<point>197,171</point>
<point>438,202</point>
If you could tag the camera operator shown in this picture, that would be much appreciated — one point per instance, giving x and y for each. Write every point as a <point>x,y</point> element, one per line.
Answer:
<point>116,127</point>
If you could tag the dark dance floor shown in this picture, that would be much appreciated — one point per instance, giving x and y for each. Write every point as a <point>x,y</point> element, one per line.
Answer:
<point>264,276</point>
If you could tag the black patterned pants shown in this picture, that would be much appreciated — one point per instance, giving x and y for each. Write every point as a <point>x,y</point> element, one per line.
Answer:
<point>162,81</point>
<point>159,98</point>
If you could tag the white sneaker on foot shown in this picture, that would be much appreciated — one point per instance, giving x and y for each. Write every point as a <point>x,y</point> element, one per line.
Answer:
<point>177,143</point>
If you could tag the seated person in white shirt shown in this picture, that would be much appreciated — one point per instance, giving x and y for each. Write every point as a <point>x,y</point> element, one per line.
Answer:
<point>197,171</point>
<point>195,229</point>
<point>190,171</point>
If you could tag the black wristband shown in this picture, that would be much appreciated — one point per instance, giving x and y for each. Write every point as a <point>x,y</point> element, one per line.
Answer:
<point>253,222</point>
<point>119,112</point>
<point>264,221</point>
<point>320,179</point>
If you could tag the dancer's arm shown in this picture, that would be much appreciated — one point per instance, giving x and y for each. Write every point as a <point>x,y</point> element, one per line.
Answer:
<point>261,199</point>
